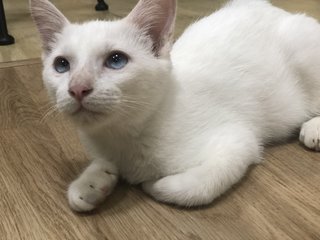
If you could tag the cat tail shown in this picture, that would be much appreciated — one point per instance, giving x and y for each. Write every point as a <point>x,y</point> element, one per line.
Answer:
<point>227,162</point>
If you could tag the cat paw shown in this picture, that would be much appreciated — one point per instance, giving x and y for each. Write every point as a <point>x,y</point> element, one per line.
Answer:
<point>90,189</point>
<point>310,134</point>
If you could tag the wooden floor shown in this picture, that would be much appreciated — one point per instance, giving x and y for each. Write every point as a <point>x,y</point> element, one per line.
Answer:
<point>40,156</point>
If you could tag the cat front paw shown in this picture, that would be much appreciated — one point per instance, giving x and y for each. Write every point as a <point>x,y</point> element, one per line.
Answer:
<point>90,189</point>
<point>310,134</point>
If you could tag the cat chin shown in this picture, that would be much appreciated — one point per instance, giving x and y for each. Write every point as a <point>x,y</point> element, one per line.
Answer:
<point>87,118</point>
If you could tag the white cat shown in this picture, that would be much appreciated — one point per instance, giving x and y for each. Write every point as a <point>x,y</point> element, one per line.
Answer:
<point>185,120</point>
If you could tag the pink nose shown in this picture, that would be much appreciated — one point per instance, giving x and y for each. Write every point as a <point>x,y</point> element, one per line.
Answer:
<point>79,91</point>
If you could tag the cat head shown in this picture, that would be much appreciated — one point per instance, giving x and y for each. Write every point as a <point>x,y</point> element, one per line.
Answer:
<point>104,72</point>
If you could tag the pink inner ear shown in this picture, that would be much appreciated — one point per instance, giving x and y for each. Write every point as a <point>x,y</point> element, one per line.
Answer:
<point>48,19</point>
<point>156,17</point>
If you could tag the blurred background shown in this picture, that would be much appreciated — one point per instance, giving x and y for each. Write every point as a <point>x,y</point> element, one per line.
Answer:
<point>27,45</point>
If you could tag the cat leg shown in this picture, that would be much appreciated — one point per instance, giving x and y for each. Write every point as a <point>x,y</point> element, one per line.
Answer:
<point>92,186</point>
<point>227,159</point>
<point>310,134</point>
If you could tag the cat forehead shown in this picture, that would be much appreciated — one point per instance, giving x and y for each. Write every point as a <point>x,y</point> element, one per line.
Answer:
<point>101,34</point>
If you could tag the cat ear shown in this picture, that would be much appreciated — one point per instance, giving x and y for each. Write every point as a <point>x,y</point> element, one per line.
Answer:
<point>49,21</point>
<point>156,18</point>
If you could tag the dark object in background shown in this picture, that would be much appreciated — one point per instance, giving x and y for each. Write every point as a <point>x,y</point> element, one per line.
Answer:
<point>5,38</point>
<point>101,6</point>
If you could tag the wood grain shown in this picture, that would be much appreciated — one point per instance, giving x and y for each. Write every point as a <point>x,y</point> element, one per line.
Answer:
<point>28,43</point>
<point>40,156</point>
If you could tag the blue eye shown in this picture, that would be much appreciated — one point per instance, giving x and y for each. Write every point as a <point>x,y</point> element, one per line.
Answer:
<point>116,60</point>
<point>61,65</point>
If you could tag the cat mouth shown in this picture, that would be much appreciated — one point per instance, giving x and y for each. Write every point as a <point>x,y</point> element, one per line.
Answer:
<point>82,110</point>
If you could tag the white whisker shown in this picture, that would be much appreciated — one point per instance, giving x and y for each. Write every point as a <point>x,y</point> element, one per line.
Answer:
<point>49,113</point>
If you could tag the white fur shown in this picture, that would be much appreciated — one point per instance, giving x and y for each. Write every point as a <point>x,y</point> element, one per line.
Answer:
<point>188,127</point>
